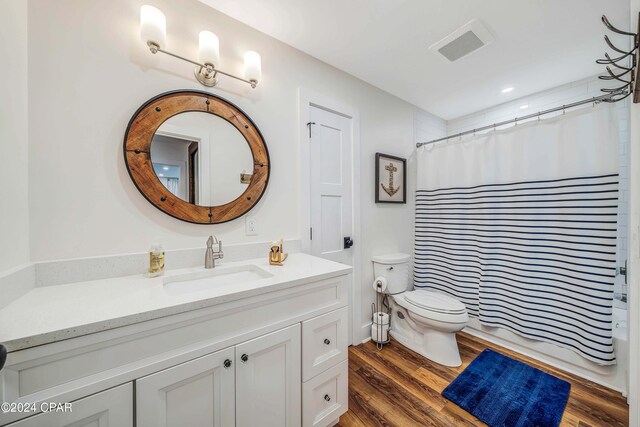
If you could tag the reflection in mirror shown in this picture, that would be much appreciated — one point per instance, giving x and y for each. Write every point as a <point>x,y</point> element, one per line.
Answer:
<point>199,157</point>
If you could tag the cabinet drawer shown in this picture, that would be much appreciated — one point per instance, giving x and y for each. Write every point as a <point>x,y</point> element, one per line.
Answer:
<point>110,408</point>
<point>324,342</point>
<point>325,397</point>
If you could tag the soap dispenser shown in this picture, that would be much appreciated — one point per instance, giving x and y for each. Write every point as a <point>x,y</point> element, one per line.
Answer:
<point>156,260</point>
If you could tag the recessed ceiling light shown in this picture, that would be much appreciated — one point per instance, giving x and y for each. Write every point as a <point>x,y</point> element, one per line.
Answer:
<point>165,168</point>
<point>160,174</point>
<point>507,89</point>
<point>524,107</point>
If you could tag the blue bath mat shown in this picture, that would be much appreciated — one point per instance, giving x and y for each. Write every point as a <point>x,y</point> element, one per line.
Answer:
<point>503,392</point>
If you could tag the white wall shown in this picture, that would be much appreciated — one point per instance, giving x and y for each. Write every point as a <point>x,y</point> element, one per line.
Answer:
<point>14,208</point>
<point>99,73</point>
<point>566,94</point>
<point>388,228</point>
<point>427,127</point>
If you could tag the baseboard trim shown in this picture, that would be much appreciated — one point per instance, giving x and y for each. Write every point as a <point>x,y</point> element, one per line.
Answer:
<point>365,334</point>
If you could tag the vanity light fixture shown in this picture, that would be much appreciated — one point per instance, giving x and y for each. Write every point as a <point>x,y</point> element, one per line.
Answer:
<point>153,32</point>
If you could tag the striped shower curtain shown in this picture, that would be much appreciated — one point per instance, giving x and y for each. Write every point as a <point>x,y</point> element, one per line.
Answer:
<point>520,225</point>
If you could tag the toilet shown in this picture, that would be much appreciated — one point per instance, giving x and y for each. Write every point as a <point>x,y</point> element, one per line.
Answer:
<point>424,321</point>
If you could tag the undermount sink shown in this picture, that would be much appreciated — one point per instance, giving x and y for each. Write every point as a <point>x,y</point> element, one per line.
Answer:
<point>219,277</point>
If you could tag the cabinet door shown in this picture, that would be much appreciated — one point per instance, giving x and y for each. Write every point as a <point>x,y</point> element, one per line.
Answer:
<point>196,393</point>
<point>110,408</point>
<point>268,382</point>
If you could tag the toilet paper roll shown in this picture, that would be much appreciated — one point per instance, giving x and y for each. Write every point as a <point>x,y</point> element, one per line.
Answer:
<point>380,318</point>
<point>380,284</point>
<point>380,333</point>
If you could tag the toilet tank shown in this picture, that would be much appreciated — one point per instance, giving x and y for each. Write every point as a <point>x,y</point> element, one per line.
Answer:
<point>396,269</point>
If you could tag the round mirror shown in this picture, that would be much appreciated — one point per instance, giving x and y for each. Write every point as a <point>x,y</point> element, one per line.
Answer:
<point>201,158</point>
<point>196,157</point>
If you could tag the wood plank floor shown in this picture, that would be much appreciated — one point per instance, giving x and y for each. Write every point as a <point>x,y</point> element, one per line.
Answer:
<point>397,387</point>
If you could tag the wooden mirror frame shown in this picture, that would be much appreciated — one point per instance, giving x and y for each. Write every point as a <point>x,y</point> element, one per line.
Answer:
<point>137,155</point>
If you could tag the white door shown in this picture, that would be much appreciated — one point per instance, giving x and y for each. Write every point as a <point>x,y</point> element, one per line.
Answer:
<point>268,380</point>
<point>110,408</point>
<point>196,393</point>
<point>331,185</point>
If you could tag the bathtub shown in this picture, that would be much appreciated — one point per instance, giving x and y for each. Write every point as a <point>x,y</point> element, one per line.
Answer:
<point>612,376</point>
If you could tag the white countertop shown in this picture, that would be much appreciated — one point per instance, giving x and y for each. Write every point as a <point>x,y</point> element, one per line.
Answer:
<point>53,313</point>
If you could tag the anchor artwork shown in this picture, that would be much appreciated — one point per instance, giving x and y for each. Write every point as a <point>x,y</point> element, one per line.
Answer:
<point>390,190</point>
<point>391,178</point>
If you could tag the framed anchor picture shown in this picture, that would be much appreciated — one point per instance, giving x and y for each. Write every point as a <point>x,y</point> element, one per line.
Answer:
<point>391,179</point>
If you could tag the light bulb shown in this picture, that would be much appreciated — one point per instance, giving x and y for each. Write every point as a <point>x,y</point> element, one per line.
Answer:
<point>153,26</point>
<point>209,48</point>
<point>252,66</point>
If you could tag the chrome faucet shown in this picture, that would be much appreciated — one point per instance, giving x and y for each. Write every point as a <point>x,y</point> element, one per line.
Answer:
<point>210,256</point>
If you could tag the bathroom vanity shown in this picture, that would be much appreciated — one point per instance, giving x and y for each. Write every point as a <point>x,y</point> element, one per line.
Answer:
<point>244,344</point>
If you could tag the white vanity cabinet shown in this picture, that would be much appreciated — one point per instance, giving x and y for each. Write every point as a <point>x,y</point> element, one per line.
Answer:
<point>276,358</point>
<point>256,383</point>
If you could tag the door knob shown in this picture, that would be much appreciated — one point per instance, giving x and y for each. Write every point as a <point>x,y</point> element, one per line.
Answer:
<point>227,363</point>
<point>327,341</point>
<point>327,397</point>
<point>348,242</point>
<point>244,357</point>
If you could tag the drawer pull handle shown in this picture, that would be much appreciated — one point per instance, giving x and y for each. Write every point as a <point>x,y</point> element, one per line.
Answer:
<point>327,341</point>
<point>244,357</point>
<point>327,397</point>
<point>227,363</point>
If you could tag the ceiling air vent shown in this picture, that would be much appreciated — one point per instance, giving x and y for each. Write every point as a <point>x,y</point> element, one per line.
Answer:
<point>466,39</point>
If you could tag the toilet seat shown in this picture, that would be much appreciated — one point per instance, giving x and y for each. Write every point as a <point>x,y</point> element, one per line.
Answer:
<point>434,302</point>
<point>453,317</point>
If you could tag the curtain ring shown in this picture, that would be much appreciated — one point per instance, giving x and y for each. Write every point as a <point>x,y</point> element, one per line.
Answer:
<point>563,109</point>
<point>538,115</point>
<point>494,127</point>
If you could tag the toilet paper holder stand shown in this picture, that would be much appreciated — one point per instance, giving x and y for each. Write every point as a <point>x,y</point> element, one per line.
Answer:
<point>380,315</point>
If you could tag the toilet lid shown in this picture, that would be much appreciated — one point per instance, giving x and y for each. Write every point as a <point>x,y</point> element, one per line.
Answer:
<point>434,301</point>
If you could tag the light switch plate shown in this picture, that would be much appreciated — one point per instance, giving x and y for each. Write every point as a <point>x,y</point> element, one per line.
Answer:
<point>251,226</point>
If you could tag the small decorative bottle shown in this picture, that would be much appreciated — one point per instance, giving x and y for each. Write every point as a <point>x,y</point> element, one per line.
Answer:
<point>156,260</point>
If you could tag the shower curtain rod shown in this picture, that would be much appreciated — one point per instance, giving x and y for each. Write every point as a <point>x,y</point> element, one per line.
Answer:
<point>596,100</point>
